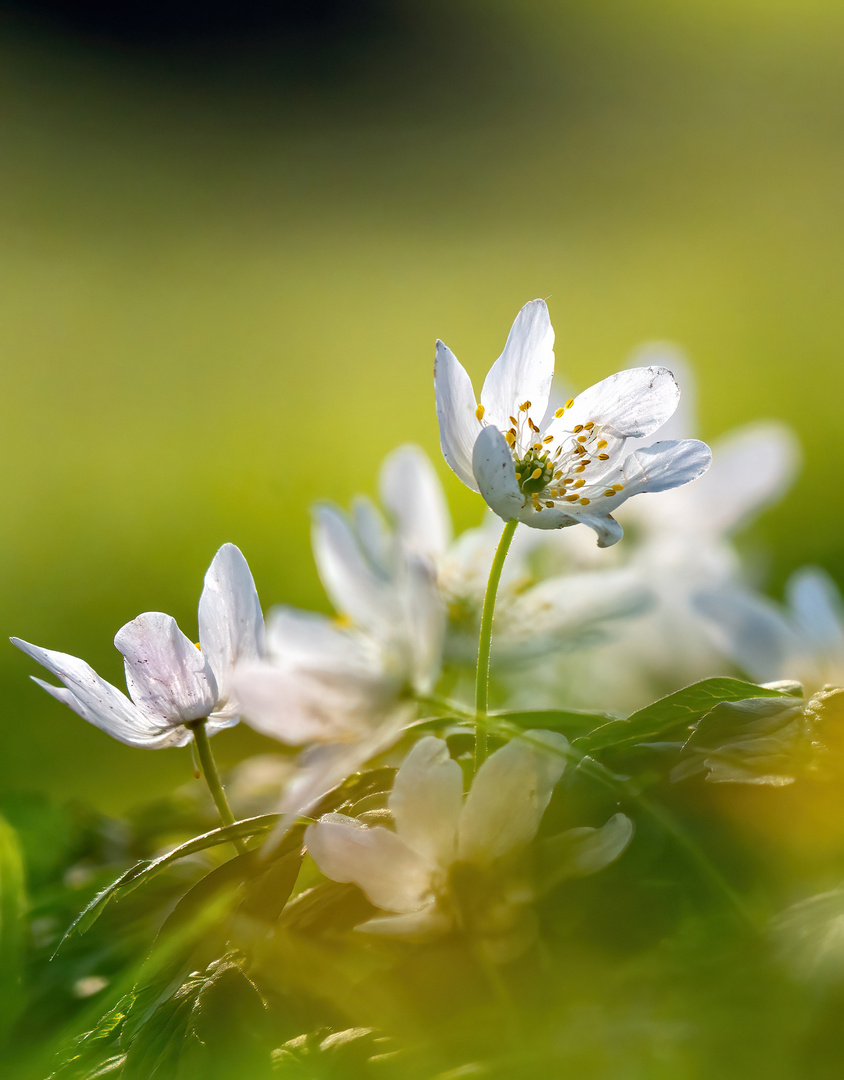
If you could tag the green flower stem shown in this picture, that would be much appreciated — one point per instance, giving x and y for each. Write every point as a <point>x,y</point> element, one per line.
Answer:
<point>485,640</point>
<point>212,777</point>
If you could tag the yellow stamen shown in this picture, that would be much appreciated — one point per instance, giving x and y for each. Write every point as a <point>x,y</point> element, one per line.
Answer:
<point>589,425</point>
<point>580,468</point>
<point>550,505</point>
<point>514,421</point>
<point>602,443</point>
<point>558,413</point>
<point>548,438</point>
<point>579,483</point>
<point>584,502</point>
<point>619,487</point>
<point>525,405</point>
<point>609,492</point>
<point>510,436</point>
<point>582,438</point>
<point>536,474</point>
<point>571,498</point>
<point>479,412</point>
<point>570,402</point>
<point>603,457</point>
<point>577,427</point>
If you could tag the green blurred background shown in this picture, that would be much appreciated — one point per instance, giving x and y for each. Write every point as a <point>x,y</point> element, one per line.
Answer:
<point>228,248</point>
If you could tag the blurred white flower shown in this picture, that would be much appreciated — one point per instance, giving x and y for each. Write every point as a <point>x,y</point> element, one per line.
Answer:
<point>448,861</point>
<point>170,680</point>
<point>572,466</point>
<point>335,679</point>
<point>536,612</point>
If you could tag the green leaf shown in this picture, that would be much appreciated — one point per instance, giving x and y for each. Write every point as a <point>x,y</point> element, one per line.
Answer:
<point>12,912</point>
<point>569,722</point>
<point>141,872</point>
<point>671,715</point>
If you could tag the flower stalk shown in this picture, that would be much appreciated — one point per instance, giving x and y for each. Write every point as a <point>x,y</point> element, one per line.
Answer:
<point>485,641</point>
<point>212,777</point>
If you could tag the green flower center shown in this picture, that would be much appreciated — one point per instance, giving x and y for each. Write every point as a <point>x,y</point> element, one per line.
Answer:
<point>534,471</point>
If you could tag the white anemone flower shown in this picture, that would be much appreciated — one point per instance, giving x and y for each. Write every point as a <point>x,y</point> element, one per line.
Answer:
<point>444,842</point>
<point>330,679</point>
<point>171,681</point>
<point>569,467</point>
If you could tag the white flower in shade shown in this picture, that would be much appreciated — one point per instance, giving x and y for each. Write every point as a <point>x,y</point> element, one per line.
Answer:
<point>571,466</point>
<point>449,860</point>
<point>171,681</point>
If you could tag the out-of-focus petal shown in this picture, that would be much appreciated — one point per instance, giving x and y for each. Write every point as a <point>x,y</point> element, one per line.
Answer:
<point>509,796</point>
<point>816,602</point>
<point>353,584</point>
<point>100,703</point>
<point>426,800</point>
<point>584,851</point>
<point>459,426</point>
<point>495,474</point>
<point>430,921</point>
<point>749,630</point>
<point>426,623</point>
<point>392,875</point>
<point>231,626</point>
<point>525,368</point>
<point>167,675</point>
<point>412,493</point>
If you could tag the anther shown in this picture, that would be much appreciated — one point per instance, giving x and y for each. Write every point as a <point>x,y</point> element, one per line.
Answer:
<point>609,492</point>
<point>550,505</point>
<point>584,502</point>
<point>510,436</point>
<point>602,443</point>
<point>536,474</point>
<point>558,474</point>
<point>547,439</point>
<point>479,412</point>
<point>532,426</point>
<point>619,487</point>
<point>603,457</point>
<point>582,438</point>
<point>525,405</point>
<point>514,421</point>
<point>579,483</point>
<point>589,425</point>
<point>558,413</point>
<point>577,427</point>
<point>580,468</point>
<point>570,402</point>
<point>571,498</point>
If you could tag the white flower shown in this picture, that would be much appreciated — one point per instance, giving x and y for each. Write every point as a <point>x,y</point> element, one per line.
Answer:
<point>335,679</point>
<point>443,841</point>
<point>536,612</point>
<point>568,468</point>
<point>170,680</point>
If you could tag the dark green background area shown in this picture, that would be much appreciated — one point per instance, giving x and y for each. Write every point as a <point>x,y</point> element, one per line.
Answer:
<point>224,265</point>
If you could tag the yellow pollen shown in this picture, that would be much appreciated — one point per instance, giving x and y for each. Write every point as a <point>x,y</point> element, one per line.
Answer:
<point>536,474</point>
<point>558,451</point>
<point>567,480</point>
<point>525,405</point>
<point>577,427</point>
<point>589,425</point>
<point>571,498</point>
<point>618,487</point>
<point>602,443</point>
<point>584,502</point>
<point>558,474</point>
<point>609,492</point>
<point>196,643</point>
<point>603,457</point>
<point>579,483</point>
<point>536,446</point>
<point>547,439</point>
<point>580,468</point>
<point>479,412</point>
<point>532,426</point>
<point>511,438</point>
<point>586,461</point>
<point>582,438</point>
<point>570,402</point>
<point>558,413</point>
<point>550,505</point>
<point>343,621</point>
<point>514,421</point>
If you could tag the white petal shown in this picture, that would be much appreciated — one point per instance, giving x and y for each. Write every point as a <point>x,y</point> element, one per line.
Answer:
<point>426,624</point>
<point>353,584</point>
<point>662,466</point>
<point>580,852</point>
<point>412,494</point>
<point>630,403</point>
<point>315,642</point>
<point>509,795</point>
<point>100,703</point>
<point>816,602</point>
<point>749,630</point>
<point>495,473</point>
<point>231,627</point>
<point>426,799</point>
<point>456,405</point>
<point>429,922</point>
<point>751,468</point>
<point>372,535</point>
<point>392,875</point>
<point>682,424</point>
<point>524,370</point>
<point>168,677</point>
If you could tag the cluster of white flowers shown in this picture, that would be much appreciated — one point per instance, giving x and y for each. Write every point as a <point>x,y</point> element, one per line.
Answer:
<point>574,628</point>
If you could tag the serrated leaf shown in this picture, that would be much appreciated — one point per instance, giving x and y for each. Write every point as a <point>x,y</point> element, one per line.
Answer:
<point>670,714</point>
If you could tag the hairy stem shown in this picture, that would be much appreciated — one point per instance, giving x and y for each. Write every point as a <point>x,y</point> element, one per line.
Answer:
<point>485,640</point>
<point>212,777</point>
